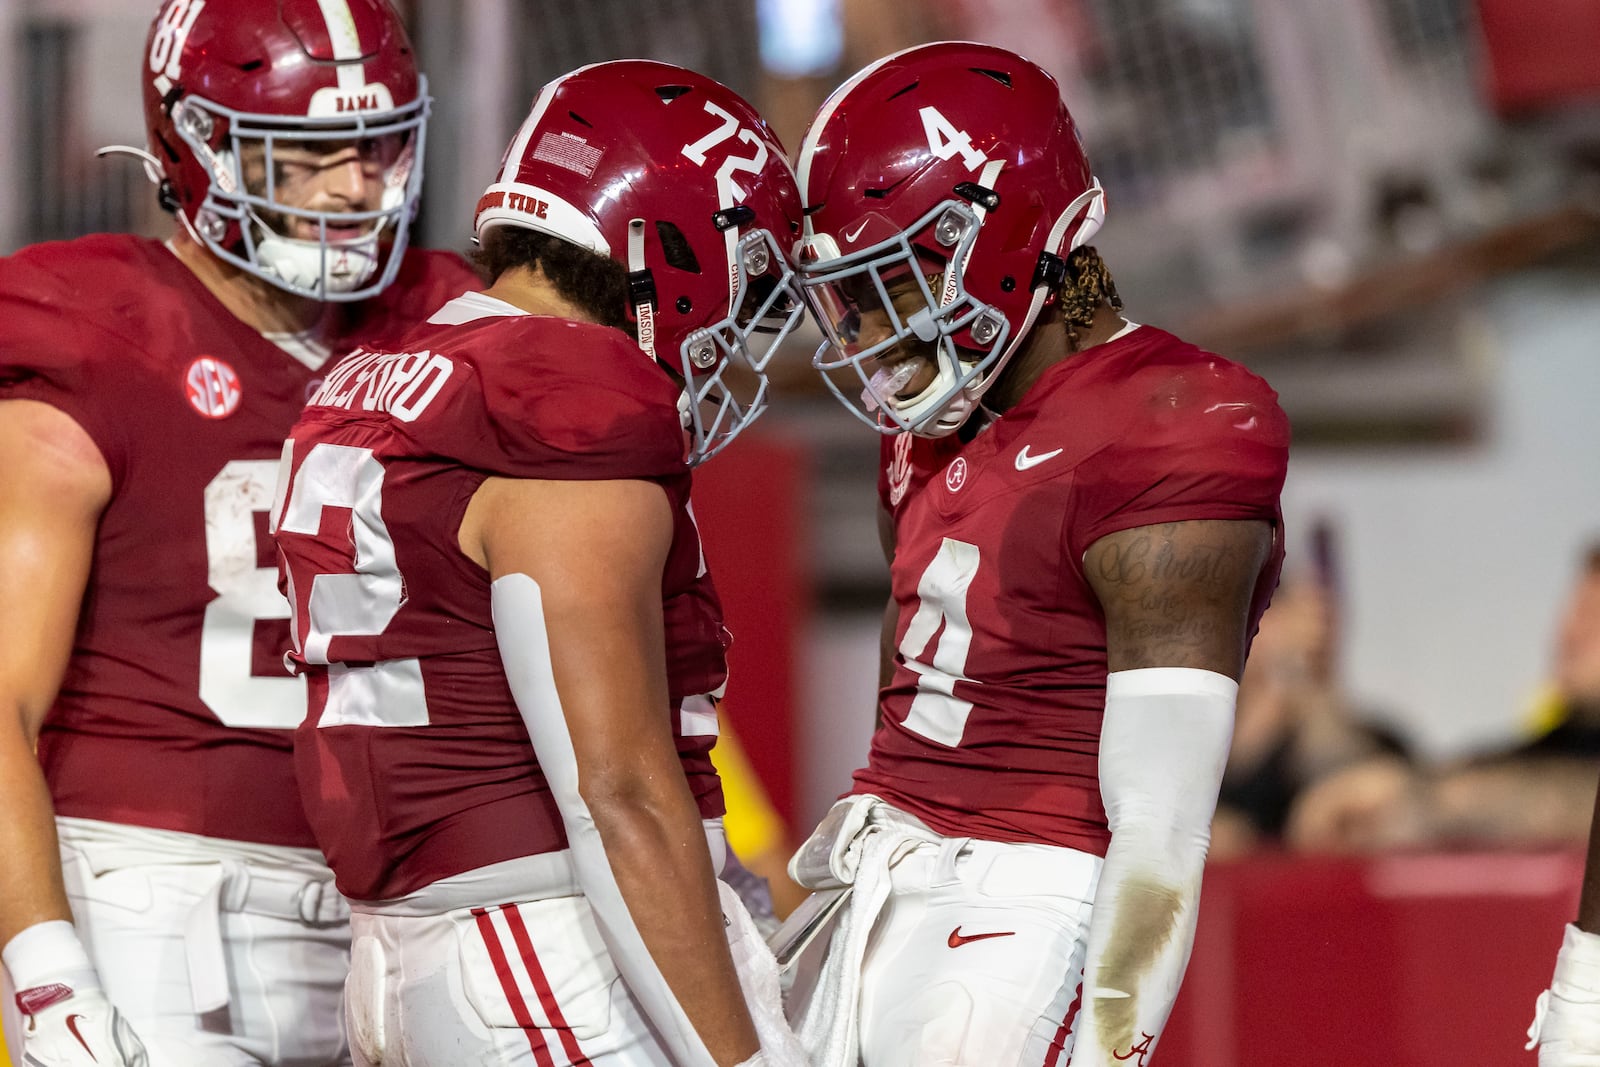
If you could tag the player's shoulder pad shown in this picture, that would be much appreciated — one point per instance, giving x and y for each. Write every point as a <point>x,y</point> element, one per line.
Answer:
<point>581,391</point>
<point>1184,390</point>
<point>88,273</point>
<point>65,301</point>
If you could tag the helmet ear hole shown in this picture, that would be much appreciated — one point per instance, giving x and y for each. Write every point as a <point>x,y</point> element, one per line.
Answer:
<point>167,150</point>
<point>675,248</point>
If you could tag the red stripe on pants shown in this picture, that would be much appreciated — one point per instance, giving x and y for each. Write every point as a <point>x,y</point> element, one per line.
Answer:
<point>1060,1042</point>
<point>541,986</point>
<point>508,984</point>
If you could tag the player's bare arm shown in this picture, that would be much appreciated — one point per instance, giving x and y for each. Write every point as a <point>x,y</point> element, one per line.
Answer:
<point>1178,595</point>
<point>1589,899</point>
<point>53,487</point>
<point>597,550</point>
<point>1176,599</point>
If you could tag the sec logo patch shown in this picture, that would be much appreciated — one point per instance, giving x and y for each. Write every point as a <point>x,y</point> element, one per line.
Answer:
<point>212,387</point>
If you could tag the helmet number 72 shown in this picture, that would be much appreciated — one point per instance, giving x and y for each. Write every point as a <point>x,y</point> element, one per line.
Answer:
<point>696,152</point>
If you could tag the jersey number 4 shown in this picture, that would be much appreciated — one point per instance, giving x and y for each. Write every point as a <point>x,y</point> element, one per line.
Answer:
<point>936,712</point>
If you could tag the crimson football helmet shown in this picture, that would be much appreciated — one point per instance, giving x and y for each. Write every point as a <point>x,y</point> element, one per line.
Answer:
<point>944,187</point>
<point>234,88</point>
<point>678,178</point>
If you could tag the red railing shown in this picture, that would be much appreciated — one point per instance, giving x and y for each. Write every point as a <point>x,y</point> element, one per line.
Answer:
<point>1405,961</point>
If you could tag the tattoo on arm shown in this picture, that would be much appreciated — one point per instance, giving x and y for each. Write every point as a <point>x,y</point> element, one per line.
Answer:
<point>1178,595</point>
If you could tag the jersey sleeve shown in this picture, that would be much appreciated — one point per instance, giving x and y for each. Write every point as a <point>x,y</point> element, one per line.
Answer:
<point>1219,450</point>
<point>48,353</point>
<point>595,408</point>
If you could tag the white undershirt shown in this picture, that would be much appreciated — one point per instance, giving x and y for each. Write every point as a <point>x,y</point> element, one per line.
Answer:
<point>306,347</point>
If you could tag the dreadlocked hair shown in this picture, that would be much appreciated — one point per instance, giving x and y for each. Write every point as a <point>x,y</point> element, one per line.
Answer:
<point>1087,287</point>
<point>597,284</point>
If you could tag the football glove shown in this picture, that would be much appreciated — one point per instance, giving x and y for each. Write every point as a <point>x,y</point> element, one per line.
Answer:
<point>68,1027</point>
<point>66,1019</point>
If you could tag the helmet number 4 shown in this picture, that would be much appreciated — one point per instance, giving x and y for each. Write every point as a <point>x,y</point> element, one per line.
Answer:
<point>696,152</point>
<point>945,141</point>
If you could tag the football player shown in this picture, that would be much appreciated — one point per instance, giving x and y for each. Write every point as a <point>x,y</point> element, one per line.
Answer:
<point>501,604</point>
<point>1082,523</point>
<point>161,897</point>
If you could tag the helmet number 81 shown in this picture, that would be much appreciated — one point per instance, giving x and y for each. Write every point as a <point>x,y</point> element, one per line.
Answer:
<point>696,153</point>
<point>945,141</point>
<point>166,46</point>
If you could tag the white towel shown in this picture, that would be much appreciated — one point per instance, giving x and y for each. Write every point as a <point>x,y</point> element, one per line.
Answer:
<point>758,978</point>
<point>828,1025</point>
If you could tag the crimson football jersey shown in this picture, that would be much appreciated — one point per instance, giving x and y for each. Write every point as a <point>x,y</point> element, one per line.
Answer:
<point>414,761</point>
<point>991,723</point>
<point>176,708</point>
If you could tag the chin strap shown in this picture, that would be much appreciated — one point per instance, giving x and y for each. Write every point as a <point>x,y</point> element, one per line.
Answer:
<point>641,288</point>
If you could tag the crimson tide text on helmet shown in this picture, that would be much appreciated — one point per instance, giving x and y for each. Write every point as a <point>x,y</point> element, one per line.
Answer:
<point>232,87</point>
<point>944,187</point>
<point>677,177</point>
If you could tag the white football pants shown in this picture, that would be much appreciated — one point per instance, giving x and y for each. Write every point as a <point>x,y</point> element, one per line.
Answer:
<point>219,954</point>
<point>511,985</point>
<point>976,958</point>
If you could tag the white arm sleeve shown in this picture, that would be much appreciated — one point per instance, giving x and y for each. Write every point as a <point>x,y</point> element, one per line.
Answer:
<point>1163,748</point>
<point>518,610</point>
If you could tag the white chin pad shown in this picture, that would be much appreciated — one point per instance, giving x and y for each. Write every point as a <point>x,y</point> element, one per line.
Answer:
<point>887,383</point>
<point>349,263</point>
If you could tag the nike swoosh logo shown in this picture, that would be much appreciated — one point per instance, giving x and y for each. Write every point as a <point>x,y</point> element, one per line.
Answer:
<point>72,1025</point>
<point>1024,461</point>
<point>850,238</point>
<point>957,939</point>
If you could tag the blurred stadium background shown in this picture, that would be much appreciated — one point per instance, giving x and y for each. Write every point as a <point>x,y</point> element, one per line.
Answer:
<point>1389,208</point>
